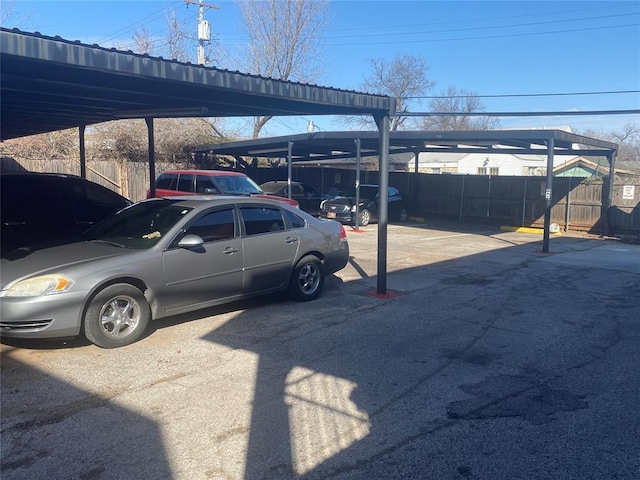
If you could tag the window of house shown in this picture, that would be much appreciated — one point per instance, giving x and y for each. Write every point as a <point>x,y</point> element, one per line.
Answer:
<point>435,170</point>
<point>493,171</point>
<point>482,170</point>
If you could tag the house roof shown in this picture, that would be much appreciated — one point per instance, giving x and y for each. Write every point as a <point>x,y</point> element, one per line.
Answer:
<point>49,84</point>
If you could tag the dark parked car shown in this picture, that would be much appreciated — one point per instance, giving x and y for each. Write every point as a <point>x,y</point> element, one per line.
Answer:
<point>343,208</point>
<point>307,197</point>
<point>45,209</point>
<point>166,256</point>
<point>209,182</point>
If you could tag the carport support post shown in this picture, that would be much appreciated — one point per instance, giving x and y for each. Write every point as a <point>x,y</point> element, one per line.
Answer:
<point>607,201</point>
<point>83,152</point>
<point>547,195</point>
<point>357,222</point>
<point>152,157</point>
<point>383,199</point>
<point>289,168</point>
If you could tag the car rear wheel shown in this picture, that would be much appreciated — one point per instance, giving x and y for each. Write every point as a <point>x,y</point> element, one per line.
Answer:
<point>118,315</point>
<point>307,279</point>
<point>364,218</point>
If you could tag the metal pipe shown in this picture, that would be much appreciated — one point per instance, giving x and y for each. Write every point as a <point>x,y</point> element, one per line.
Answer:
<point>383,195</point>
<point>524,202</point>
<point>357,222</point>
<point>289,167</point>
<point>152,157</point>
<point>83,152</point>
<point>548,195</point>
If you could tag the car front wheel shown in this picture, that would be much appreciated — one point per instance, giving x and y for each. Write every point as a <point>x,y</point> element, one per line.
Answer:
<point>307,279</point>
<point>118,315</point>
<point>364,218</point>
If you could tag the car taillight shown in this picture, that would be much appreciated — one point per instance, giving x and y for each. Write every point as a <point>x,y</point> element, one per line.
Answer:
<point>343,233</point>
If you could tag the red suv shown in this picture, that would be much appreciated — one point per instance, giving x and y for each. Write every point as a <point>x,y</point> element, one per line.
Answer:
<point>209,182</point>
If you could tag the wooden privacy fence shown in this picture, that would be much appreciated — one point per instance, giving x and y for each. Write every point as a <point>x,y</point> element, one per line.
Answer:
<point>517,201</point>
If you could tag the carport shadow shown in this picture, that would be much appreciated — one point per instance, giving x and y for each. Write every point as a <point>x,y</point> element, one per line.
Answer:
<point>71,433</point>
<point>332,388</point>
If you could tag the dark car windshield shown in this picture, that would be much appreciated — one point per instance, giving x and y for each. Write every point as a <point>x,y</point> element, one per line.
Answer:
<point>139,226</point>
<point>365,192</point>
<point>272,188</point>
<point>232,185</point>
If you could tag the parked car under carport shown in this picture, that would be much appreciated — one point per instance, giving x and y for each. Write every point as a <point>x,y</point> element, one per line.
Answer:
<point>343,207</point>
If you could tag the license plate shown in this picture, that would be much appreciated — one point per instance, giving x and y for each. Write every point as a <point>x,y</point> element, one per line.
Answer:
<point>331,214</point>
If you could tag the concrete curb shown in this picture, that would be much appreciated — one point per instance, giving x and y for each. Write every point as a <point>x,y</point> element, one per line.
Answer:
<point>508,228</point>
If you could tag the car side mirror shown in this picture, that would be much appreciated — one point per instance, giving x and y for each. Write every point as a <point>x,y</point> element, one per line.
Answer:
<point>191,241</point>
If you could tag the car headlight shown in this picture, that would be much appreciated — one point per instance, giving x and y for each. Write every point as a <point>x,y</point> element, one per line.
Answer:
<point>42,285</point>
<point>322,204</point>
<point>353,209</point>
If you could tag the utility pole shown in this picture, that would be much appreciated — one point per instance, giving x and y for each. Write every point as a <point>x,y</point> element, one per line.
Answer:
<point>204,27</point>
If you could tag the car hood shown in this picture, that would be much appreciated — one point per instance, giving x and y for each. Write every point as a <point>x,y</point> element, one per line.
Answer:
<point>346,201</point>
<point>57,259</point>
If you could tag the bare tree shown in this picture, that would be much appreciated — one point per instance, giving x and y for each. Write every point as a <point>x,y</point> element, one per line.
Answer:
<point>142,41</point>
<point>283,40</point>
<point>10,18</point>
<point>177,39</point>
<point>457,102</point>
<point>176,138</point>
<point>628,139</point>
<point>403,78</point>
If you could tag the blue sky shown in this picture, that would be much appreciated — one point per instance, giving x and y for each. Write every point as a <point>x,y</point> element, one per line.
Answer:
<point>517,48</point>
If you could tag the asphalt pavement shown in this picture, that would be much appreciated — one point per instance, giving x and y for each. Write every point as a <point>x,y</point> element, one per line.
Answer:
<point>485,359</point>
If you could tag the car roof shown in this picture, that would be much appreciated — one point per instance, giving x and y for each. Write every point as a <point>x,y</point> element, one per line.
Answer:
<point>196,201</point>
<point>210,173</point>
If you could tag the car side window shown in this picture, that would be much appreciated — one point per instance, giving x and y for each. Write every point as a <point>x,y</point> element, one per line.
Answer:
<point>294,220</point>
<point>259,220</point>
<point>167,181</point>
<point>204,184</point>
<point>309,192</point>
<point>214,226</point>
<point>185,182</point>
<point>296,190</point>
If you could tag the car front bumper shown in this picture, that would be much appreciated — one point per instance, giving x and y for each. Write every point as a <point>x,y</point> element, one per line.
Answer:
<point>46,316</point>
<point>346,217</point>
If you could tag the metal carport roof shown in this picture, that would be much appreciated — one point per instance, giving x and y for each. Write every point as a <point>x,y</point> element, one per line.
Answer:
<point>330,145</point>
<point>49,84</point>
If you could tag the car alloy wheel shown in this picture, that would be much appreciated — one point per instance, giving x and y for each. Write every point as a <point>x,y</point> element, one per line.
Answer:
<point>117,316</point>
<point>307,279</point>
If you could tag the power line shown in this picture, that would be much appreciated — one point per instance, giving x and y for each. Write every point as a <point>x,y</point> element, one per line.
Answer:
<point>512,35</point>
<point>490,27</point>
<point>516,95</point>
<point>515,114</point>
<point>140,23</point>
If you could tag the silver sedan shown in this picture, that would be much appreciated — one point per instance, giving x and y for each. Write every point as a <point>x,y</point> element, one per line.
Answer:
<point>163,257</point>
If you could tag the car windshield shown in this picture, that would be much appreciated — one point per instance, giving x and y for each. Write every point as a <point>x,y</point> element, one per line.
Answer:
<point>233,185</point>
<point>271,187</point>
<point>139,226</point>
<point>365,192</point>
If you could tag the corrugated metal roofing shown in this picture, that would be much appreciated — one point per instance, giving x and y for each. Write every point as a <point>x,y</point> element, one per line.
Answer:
<point>49,83</point>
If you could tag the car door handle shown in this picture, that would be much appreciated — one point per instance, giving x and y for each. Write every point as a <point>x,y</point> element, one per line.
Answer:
<point>291,240</point>
<point>230,250</point>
